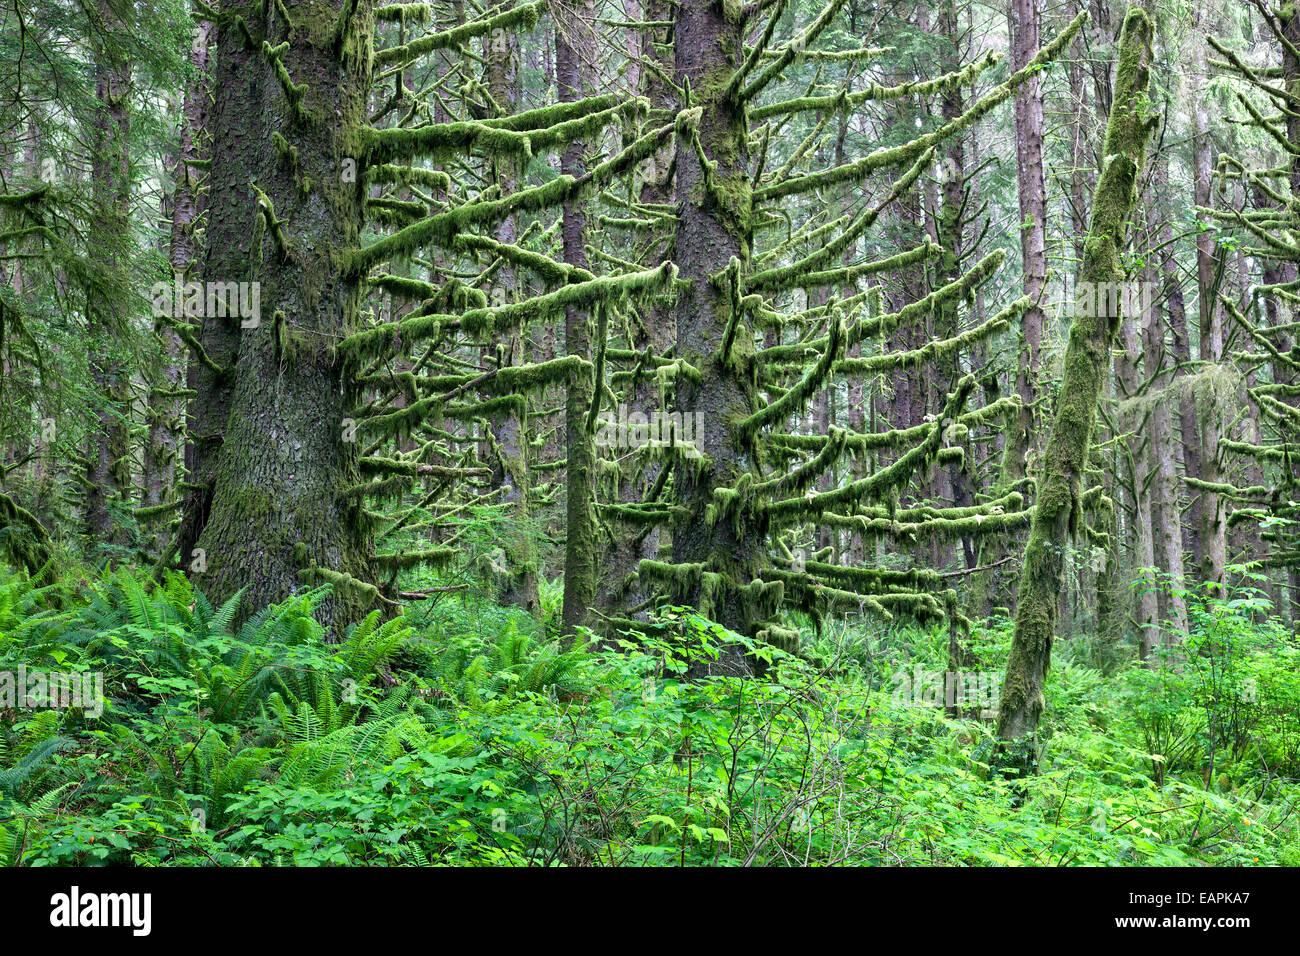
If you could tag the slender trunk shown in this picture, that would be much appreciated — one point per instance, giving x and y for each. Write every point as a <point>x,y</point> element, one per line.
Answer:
<point>573,52</point>
<point>1087,359</point>
<point>1207,510</point>
<point>162,462</point>
<point>108,476</point>
<point>236,122</point>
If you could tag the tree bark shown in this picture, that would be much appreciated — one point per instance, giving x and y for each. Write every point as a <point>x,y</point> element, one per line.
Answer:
<point>285,509</point>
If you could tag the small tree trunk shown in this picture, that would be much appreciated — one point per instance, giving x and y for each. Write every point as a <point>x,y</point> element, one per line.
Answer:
<point>1087,358</point>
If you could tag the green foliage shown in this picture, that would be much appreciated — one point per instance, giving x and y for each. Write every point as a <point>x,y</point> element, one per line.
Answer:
<point>462,734</point>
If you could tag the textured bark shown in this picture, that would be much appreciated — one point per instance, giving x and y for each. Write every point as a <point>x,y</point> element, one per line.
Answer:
<point>573,53</point>
<point>1025,19</point>
<point>281,508</point>
<point>951,236</point>
<point>238,141</point>
<point>713,228</point>
<point>1087,358</point>
<point>623,552</point>
<point>1163,481</point>
<point>1136,497</point>
<point>108,475</point>
<point>510,456</point>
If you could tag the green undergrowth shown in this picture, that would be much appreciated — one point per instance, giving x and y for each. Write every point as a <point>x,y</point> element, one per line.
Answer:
<point>465,733</point>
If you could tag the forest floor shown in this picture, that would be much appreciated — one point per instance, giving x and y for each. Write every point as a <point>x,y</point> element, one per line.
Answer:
<point>466,733</point>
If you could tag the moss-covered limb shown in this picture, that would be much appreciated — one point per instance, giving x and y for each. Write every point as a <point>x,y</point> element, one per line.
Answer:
<point>408,175</point>
<point>366,592</point>
<point>881,324</point>
<point>1275,131</point>
<point>817,597</point>
<point>150,512</point>
<point>547,117</point>
<point>1228,490</point>
<point>375,465</point>
<point>937,348</point>
<point>1286,415</point>
<point>613,290</point>
<point>442,227</point>
<point>805,474</point>
<point>812,506</point>
<point>809,237</point>
<point>22,536</point>
<point>1252,75</point>
<point>385,145</point>
<point>404,13</point>
<point>1262,228</point>
<point>785,444</point>
<point>786,55</point>
<point>551,270</point>
<point>785,276</point>
<point>395,212</point>
<point>293,92</point>
<point>273,224</point>
<point>27,199</point>
<point>1281,453</point>
<point>187,336</point>
<point>382,146</point>
<point>1259,336</point>
<point>798,395</point>
<point>641,514</point>
<point>847,102</point>
<point>755,53</point>
<point>1086,363</point>
<point>428,557</point>
<point>404,286</point>
<point>981,522</point>
<point>524,16</point>
<point>1012,501</point>
<point>907,152</point>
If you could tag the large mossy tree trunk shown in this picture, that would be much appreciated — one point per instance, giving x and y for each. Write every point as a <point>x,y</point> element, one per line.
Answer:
<point>1087,358</point>
<point>286,509</point>
<point>713,229</point>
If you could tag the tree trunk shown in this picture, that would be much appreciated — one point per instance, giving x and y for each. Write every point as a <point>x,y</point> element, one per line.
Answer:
<point>1087,359</point>
<point>108,477</point>
<point>286,511</point>
<point>573,52</point>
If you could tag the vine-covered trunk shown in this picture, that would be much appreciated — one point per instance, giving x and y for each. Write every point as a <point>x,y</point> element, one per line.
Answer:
<point>1087,359</point>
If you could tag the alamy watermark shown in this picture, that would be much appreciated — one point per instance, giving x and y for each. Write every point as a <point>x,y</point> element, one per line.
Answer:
<point>971,691</point>
<point>628,428</point>
<point>35,690</point>
<point>1111,299</point>
<point>196,300</point>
